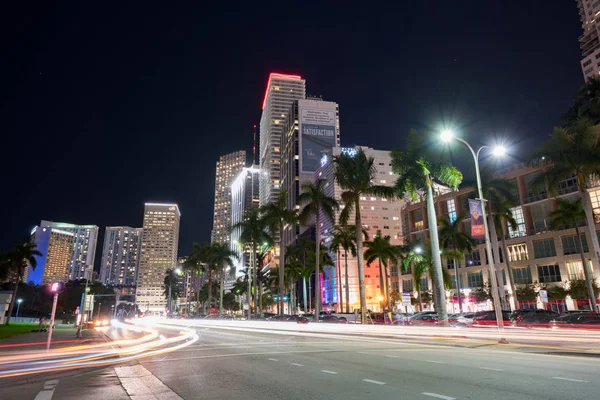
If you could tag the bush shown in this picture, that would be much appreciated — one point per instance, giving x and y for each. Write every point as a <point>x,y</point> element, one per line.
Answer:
<point>578,289</point>
<point>526,293</point>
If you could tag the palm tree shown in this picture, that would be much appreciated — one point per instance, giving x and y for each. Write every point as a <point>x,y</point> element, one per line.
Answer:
<point>503,217</point>
<point>171,286</point>
<point>586,104</point>
<point>355,174</point>
<point>261,275</point>
<point>277,215</point>
<point>305,273</point>
<point>318,205</point>
<point>418,168</point>
<point>571,214</point>
<point>21,256</point>
<point>196,262</point>
<point>254,232</point>
<point>414,260</point>
<point>573,152</point>
<point>383,251</point>
<point>220,258</point>
<point>453,239</point>
<point>344,236</point>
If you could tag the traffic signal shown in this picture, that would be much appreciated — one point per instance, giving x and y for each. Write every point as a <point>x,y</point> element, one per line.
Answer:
<point>286,297</point>
<point>276,298</point>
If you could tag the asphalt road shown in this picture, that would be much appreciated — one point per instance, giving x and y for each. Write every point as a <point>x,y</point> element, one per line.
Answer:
<point>227,364</point>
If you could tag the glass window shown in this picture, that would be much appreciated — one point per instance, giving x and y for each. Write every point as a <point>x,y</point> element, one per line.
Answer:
<point>571,245</point>
<point>418,218</point>
<point>395,286</point>
<point>595,199</point>
<point>522,276</point>
<point>475,279</point>
<point>473,259</point>
<point>517,213</point>
<point>544,248</point>
<point>394,270</point>
<point>576,272</point>
<point>549,273</point>
<point>407,285</point>
<point>451,210</point>
<point>424,284</point>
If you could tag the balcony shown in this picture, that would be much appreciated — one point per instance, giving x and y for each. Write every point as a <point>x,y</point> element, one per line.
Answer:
<point>567,190</point>
<point>534,198</point>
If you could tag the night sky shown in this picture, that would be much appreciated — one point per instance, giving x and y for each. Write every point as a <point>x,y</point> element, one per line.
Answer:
<point>104,108</point>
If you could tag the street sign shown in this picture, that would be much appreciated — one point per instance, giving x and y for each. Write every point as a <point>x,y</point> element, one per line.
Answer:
<point>245,305</point>
<point>406,299</point>
<point>543,296</point>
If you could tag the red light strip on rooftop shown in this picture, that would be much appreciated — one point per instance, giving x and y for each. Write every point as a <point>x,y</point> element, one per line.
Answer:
<point>276,75</point>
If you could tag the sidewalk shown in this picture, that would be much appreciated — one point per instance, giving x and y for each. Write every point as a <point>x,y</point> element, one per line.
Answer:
<point>62,336</point>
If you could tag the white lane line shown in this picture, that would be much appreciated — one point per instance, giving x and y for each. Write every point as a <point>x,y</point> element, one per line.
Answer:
<point>435,362</point>
<point>392,356</point>
<point>325,371</point>
<point>297,365</point>
<point>438,396</point>
<point>363,352</point>
<point>569,379</point>
<point>272,359</point>
<point>48,391</point>
<point>492,369</point>
<point>372,381</point>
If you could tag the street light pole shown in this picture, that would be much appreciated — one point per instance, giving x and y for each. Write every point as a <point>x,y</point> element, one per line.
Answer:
<point>446,136</point>
<point>54,287</point>
<point>18,307</point>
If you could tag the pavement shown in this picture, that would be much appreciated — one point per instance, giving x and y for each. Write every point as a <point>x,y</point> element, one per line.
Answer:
<point>233,364</point>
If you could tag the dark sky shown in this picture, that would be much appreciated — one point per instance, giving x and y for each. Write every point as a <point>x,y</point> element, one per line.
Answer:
<point>103,108</point>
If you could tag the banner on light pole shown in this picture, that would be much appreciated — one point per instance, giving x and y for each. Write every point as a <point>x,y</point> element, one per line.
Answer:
<point>477,227</point>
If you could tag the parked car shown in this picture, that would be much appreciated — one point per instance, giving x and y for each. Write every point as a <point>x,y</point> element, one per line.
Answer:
<point>332,319</point>
<point>585,320</point>
<point>464,319</point>
<point>486,318</point>
<point>429,318</point>
<point>534,318</point>
<point>574,312</point>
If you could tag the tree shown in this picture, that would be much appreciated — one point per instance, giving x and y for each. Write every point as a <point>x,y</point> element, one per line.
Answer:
<point>344,236</point>
<point>573,152</point>
<point>316,204</point>
<point>453,239</point>
<point>503,217</point>
<point>17,260</point>
<point>220,258</point>
<point>254,232</point>
<point>171,282</point>
<point>383,251</point>
<point>355,174</point>
<point>586,104</point>
<point>578,289</point>
<point>570,214</point>
<point>305,272</point>
<point>418,168</point>
<point>276,216</point>
<point>196,262</point>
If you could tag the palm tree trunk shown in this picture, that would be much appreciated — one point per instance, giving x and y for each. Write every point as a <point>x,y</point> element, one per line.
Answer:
<point>387,287</point>
<point>221,290</point>
<point>457,277</point>
<point>591,226</point>
<point>13,299</point>
<point>260,294</point>
<point>209,299</point>
<point>255,278</point>
<point>198,291</point>
<point>281,267</point>
<point>511,277</point>
<point>346,282</point>
<point>438,285</point>
<point>339,282</point>
<point>381,283</point>
<point>317,269</point>
<point>586,273</point>
<point>360,261</point>
<point>496,258</point>
<point>304,295</point>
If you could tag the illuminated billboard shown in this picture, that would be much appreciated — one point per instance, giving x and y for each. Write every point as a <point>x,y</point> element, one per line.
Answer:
<point>317,136</point>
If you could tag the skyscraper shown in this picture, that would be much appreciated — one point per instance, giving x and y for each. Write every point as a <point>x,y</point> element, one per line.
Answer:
<point>228,167</point>
<point>244,197</point>
<point>310,132</point>
<point>160,238</point>
<point>282,91</point>
<point>85,238</point>
<point>121,256</point>
<point>589,41</point>
<point>56,246</point>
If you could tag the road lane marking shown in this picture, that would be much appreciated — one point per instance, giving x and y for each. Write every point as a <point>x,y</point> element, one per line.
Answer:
<point>438,396</point>
<point>392,356</point>
<point>363,352</point>
<point>272,359</point>
<point>48,391</point>
<point>243,354</point>
<point>569,379</point>
<point>492,369</point>
<point>372,381</point>
<point>435,362</point>
<point>297,365</point>
<point>329,372</point>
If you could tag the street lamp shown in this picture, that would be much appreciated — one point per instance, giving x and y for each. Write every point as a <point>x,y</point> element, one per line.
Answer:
<point>176,271</point>
<point>18,306</point>
<point>54,288</point>
<point>446,136</point>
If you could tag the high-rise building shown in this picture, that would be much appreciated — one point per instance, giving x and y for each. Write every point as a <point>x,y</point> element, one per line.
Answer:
<point>121,256</point>
<point>228,167</point>
<point>85,238</point>
<point>377,214</point>
<point>310,132</point>
<point>160,238</point>
<point>589,41</point>
<point>244,197</point>
<point>282,91</point>
<point>56,246</point>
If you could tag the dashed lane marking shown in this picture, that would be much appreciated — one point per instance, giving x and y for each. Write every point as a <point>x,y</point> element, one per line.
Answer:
<point>297,365</point>
<point>272,359</point>
<point>435,362</point>
<point>438,396</point>
<point>372,381</point>
<point>492,369</point>
<point>325,371</point>
<point>569,379</point>
<point>48,391</point>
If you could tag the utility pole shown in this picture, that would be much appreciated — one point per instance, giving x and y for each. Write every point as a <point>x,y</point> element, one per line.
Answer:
<point>54,288</point>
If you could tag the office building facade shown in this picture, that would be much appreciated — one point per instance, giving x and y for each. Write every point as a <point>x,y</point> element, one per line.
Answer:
<point>160,238</point>
<point>589,41</point>
<point>56,246</point>
<point>121,257</point>
<point>228,167</point>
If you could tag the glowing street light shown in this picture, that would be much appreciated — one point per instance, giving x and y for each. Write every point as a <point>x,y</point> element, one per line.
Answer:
<point>54,288</point>
<point>447,136</point>
<point>18,306</point>
<point>418,250</point>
